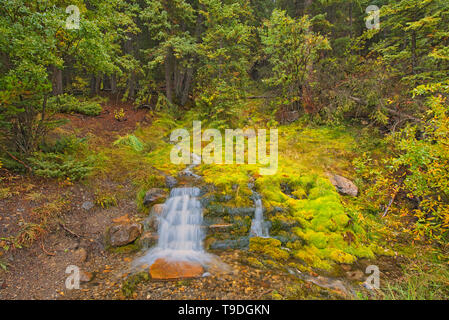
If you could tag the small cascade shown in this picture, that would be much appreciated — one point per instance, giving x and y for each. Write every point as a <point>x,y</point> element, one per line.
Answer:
<point>180,233</point>
<point>259,227</point>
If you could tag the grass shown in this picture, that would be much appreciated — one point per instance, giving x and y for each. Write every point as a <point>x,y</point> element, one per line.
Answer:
<point>421,281</point>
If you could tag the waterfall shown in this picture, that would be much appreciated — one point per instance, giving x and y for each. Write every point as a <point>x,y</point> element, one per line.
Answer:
<point>258,226</point>
<point>180,233</point>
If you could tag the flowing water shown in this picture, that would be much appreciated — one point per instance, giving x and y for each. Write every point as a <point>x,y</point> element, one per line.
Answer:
<point>180,233</point>
<point>258,226</point>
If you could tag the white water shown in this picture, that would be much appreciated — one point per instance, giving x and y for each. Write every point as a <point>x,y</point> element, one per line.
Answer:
<point>180,233</point>
<point>258,225</point>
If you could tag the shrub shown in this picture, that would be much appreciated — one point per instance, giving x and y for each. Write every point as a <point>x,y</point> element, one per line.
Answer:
<point>69,104</point>
<point>53,165</point>
<point>418,171</point>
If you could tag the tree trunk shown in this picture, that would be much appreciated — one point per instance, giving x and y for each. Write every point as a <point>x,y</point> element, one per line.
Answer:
<point>95,82</point>
<point>187,85</point>
<point>306,90</point>
<point>169,75</point>
<point>114,83</point>
<point>57,81</point>
<point>350,19</point>
<point>132,86</point>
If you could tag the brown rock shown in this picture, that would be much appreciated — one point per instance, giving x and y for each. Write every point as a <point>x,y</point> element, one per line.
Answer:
<point>124,233</point>
<point>154,195</point>
<point>148,239</point>
<point>152,222</point>
<point>80,255</point>
<point>163,269</point>
<point>157,209</point>
<point>220,227</point>
<point>86,276</point>
<point>343,185</point>
<point>356,275</point>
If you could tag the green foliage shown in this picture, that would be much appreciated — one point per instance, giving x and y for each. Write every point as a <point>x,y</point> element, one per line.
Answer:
<point>225,59</point>
<point>131,141</point>
<point>69,104</point>
<point>418,171</point>
<point>53,165</point>
<point>105,199</point>
<point>36,46</point>
<point>420,282</point>
<point>291,47</point>
<point>416,45</point>
<point>69,144</point>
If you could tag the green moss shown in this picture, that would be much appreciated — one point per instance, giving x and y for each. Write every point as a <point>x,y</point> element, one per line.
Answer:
<point>230,180</point>
<point>129,286</point>
<point>254,262</point>
<point>318,239</point>
<point>268,247</point>
<point>132,247</point>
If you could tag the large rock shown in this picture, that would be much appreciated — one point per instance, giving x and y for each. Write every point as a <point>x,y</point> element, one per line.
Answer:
<point>153,196</point>
<point>170,182</point>
<point>123,234</point>
<point>343,185</point>
<point>165,270</point>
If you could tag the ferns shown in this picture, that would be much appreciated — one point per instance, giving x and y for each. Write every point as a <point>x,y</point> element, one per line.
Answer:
<point>131,141</point>
<point>69,104</point>
<point>53,165</point>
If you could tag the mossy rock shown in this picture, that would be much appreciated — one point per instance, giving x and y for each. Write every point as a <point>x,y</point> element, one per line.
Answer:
<point>129,286</point>
<point>268,247</point>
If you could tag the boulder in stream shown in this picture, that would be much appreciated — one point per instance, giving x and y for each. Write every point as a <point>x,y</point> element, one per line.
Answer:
<point>154,196</point>
<point>165,270</point>
<point>170,182</point>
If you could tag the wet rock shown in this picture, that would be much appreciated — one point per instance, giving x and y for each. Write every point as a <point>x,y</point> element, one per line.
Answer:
<point>87,205</point>
<point>165,270</point>
<point>154,196</point>
<point>122,234</point>
<point>220,210</point>
<point>152,222</point>
<point>148,240</point>
<point>241,243</point>
<point>170,182</point>
<point>220,227</point>
<point>223,198</point>
<point>286,239</point>
<point>344,185</point>
<point>206,200</point>
<point>158,209</point>
<point>188,173</point>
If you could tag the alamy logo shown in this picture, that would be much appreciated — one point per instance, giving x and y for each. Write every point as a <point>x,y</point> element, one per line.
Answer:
<point>373,19</point>
<point>72,21</point>
<point>373,281</point>
<point>73,280</point>
<point>257,151</point>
